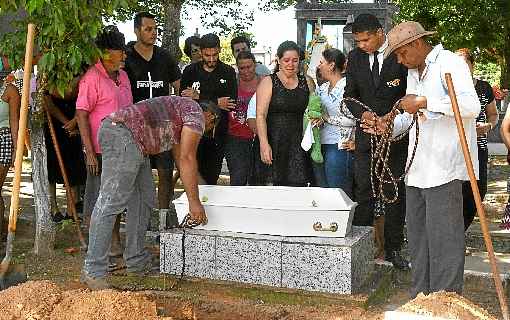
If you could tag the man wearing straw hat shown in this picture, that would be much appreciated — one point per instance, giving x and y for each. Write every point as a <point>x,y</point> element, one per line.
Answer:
<point>435,225</point>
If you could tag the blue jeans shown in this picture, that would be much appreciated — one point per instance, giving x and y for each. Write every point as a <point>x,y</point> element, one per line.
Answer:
<point>338,168</point>
<point>126,183</point>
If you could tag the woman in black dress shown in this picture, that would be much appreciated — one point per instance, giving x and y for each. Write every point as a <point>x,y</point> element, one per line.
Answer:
<point>281,102</point>
<point>62,111</point>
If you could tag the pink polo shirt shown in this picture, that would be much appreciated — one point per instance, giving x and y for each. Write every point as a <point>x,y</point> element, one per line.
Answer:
<point>99,95</point>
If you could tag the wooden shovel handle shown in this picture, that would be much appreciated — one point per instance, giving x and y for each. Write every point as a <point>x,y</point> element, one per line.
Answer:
<point>13,213</point>
<point>478,199</point>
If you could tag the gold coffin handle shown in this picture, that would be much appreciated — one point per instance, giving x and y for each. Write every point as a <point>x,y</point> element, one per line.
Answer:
<point>333,227</point>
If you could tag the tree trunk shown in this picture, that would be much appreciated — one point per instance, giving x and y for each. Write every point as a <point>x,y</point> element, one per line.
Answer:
<point>44,227</point>
<point>172,27</point>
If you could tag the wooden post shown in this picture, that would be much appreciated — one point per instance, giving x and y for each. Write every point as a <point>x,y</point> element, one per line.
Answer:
<point>13,214</point>
<point>478,199</point>
<point>27,72</point>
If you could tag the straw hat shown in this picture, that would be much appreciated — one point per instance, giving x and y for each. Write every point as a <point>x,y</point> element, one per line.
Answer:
<point>404,33</point>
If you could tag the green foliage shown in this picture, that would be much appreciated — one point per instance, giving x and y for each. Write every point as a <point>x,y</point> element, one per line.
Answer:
<point>488,71</point>
<point>66,30</point>
<point>226,53</point>
<point>481,25</point>
<point>222,16</point>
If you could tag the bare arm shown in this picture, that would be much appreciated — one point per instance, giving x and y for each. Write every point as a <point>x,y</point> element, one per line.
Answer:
<point>82,117</point>
<point>482,128</point>
<point>492,113</point>
<point>264,92</point>
<point>186,155</point>
<point>11,96</point>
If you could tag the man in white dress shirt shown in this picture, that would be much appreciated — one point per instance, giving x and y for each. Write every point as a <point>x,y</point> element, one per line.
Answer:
<point>435,225</point>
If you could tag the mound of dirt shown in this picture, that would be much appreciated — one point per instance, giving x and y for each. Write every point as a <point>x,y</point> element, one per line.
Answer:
<point>30,300</point>
<point>104,305</point>
<point>44,300</point>
<point>447,305</point>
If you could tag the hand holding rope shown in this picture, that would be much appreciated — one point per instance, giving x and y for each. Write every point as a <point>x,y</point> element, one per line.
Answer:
<point>381,139</point>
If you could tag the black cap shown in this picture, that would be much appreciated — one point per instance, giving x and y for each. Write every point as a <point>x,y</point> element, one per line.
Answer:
<point>111,38</point>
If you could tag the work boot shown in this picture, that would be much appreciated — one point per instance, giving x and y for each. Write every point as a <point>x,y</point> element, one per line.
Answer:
<point>94,284</point>
<point>399,262</point>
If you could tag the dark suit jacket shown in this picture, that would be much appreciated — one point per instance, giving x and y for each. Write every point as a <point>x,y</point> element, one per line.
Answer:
<point>392,86</point>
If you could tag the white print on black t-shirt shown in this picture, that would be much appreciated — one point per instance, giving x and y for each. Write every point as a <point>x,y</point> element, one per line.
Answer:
<point>147,84</point>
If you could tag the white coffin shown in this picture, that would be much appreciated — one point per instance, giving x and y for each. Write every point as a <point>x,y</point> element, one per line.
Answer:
<point>280,211</point>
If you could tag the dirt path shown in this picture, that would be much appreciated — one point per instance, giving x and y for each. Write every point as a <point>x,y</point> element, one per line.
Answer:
<point>200,299</point>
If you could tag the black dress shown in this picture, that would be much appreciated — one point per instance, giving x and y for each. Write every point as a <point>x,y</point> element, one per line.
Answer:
<point>70,149</point>
<point>285,131</point>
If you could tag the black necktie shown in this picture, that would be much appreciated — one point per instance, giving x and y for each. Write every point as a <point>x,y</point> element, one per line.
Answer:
<point>375,69</point>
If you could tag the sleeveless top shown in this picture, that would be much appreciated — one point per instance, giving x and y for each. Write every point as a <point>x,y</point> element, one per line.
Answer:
<point>4,109</point>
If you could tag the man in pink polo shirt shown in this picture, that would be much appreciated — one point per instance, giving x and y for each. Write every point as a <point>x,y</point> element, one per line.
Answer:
<point>103,89</point>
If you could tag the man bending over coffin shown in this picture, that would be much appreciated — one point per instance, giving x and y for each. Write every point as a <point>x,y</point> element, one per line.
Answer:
<point>127,138</point>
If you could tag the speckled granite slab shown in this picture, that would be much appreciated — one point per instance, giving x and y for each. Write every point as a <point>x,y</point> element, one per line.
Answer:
<point>334,265</point>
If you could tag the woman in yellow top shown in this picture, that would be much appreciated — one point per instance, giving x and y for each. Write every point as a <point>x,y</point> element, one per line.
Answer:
<point>9,118</point>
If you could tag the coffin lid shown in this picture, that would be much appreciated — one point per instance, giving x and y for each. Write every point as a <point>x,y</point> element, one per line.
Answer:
<point>273,198</point>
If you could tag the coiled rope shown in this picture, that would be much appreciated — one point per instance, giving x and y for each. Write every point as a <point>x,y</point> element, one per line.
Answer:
<point>380,147</point>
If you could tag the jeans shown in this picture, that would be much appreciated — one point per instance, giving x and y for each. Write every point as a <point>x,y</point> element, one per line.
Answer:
<point>338,168</point>
<point>126,183</point>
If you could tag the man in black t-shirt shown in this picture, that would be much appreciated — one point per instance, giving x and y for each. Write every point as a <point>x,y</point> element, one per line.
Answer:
<point>211,80</point>
<point>152,70</point>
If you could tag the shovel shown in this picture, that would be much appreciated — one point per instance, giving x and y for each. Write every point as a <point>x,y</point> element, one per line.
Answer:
<point>10,276</point>
<point>478,200</point>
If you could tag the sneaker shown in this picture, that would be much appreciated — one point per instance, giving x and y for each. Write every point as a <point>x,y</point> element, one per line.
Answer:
<point>94,284</point>
<point>399,262</point>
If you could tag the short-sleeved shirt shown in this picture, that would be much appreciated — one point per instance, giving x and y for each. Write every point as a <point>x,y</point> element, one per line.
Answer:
<point>157,123</point>
<point>99,95</point>
<point>158,72</point>
<point>221,82</point>
<point>486,96</point>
